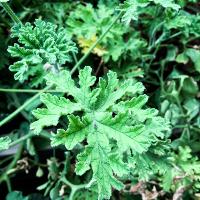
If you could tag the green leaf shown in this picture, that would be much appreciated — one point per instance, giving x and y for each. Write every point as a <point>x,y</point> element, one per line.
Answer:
<point>185,164</point>
<point>152,162</point>
<point>131,10</point>
<point>54,193</point>
<point>157,126</point>
<point>87,22</point>
<point>119,167</point>
<point>62,81</point>
<point>56,107</point>
<point>167,4</point>
<point>41,47</point>
<point>84,95</point>
<point>192,107</point>
<point>108,95</point>
<point>126,136</point>
<point>147,165</point>
<point>167,180</point>
<point>96,155</point>
<point>194,55</point>
<point>22,67</point>
<point>4,143</point>
<point>179,21</point>
<point>182,58</point>
<point>106,122</point>
<point>190,86</point>
<point>135,106</point>
<point>76,132</point>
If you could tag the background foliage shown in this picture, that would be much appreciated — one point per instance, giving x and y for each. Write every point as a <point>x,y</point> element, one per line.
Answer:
<point>155,42</point>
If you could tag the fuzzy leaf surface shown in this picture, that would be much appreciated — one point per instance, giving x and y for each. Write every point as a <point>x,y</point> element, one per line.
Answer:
<point>41,47</point>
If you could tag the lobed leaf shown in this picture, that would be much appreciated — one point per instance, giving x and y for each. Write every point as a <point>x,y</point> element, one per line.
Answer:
<point>44,41</point>
<point>106,122</point>
<point>56,107</point>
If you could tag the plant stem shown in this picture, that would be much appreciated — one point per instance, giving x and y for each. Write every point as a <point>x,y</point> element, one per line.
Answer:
<point>28,102</point>
<point>3,177</point>
<point>27,90</point>
<point>95,44</point>
<point>10,12</point>
<point>17,104</point>
<point>74,56</point>
<point>6,159</point>
<point>74,188</point>
<point>8,184</point>
<point>29,135</point>
<point>196,129</point>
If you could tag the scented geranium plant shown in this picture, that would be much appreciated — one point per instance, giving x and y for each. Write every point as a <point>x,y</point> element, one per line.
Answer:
<point>108,140</point>
<point>110,119</point>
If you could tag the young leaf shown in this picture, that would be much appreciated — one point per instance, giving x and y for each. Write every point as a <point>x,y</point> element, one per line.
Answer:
<point>41,47</point>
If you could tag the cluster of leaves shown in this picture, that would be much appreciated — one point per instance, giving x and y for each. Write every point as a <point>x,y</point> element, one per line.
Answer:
<point>43,47</point>
<point>178,75</point>
<point>114,139</point>
<point>185,172</point>
<point>87,23</point>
